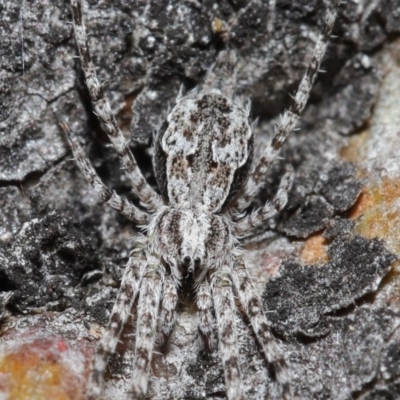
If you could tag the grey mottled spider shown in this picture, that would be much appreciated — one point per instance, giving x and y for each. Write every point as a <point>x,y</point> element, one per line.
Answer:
<point>203,161</point>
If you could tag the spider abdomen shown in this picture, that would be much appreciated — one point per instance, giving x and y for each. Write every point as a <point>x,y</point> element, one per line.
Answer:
<point>207,146</point>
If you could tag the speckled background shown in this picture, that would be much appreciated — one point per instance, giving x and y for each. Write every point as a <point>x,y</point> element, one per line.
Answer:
<point>327,272</point>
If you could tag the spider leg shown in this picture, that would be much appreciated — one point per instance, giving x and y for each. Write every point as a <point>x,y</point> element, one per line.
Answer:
<point>168,306</point>
<point>204,315</point>
<point>251,304</point>
<point>249,224</point>
<point>224,306</point>
<point>119,203</point>
<point>119,316</point>
<point>227,28</point>
<point>148,306</point>
<point>271,15</point>
<point>289,118</point>
<point>222,74</point>
<point>149,198</point>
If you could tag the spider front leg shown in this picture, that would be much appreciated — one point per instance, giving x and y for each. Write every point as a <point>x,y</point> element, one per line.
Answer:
<point>121,204</point>
<point>149,198</point>
<point>249,223</point>
<point>148,307</point>
<point>119,316</point>
<point>224,306</point>
<point>289,118</point>
<point>252,306</point>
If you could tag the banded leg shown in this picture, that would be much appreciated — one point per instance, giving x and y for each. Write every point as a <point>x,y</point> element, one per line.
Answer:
<point>204,315</point>
<point>119,316</point>
<point>149,198</point>
<point>251,304</point>
<point>148,306</point>
<point>289,118</point>
<point>224,306</point>
<point>271,16</point>
<point>168,309</point>
<point>222,74</point>
<point>249,224</point>
<point>119,203</point>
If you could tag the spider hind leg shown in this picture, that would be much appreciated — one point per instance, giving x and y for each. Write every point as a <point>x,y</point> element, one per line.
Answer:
<point>204,316</point>
<point>119,316</point>
<point>147,315</point>
<point>225,312</point>
<point>252,306</point>
<point>168,310</point>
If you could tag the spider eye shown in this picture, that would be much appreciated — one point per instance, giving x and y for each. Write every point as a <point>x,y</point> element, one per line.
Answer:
<point>186,260</point>
<point>197,261</point>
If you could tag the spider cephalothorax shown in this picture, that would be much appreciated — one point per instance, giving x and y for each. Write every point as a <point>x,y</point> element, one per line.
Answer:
<point>191,240</point>
<point>207,179</point>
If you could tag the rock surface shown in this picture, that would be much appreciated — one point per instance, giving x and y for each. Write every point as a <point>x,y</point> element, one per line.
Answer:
<point>326,273</point>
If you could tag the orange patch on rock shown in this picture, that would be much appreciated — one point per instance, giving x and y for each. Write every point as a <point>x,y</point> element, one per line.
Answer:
<point>377,212</point>
<point>352,151</point>
<point>36,371</point>
<point>314,250</point>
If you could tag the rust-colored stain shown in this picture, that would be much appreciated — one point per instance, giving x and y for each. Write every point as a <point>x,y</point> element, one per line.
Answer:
<point>125,114</point>
<point>217,25</point>
<point>377,213</point>
<point>353,151</point>
<point>315,250</point>
<point>37,371</point>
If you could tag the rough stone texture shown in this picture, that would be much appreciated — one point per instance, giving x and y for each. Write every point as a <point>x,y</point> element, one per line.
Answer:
<point>44,264</point>
<point>299,297</point>
<point>322,188</point>
<point>62,251</point>
<point>351,360</point>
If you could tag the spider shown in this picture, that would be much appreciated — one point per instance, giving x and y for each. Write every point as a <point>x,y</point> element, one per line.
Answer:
<point>207,179</point>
